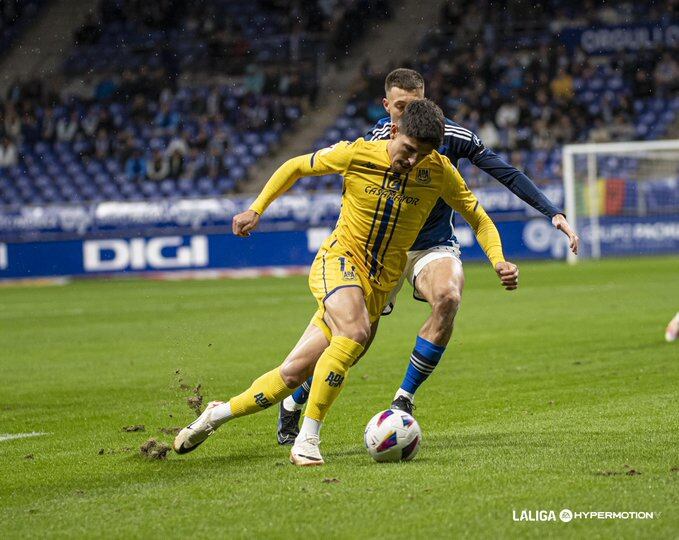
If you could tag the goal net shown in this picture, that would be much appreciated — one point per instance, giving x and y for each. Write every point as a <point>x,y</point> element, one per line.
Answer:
<point>623,198</point>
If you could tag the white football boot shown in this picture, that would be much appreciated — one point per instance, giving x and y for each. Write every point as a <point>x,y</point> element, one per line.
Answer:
<point>197,432</point>
<point>306,452</point>
<point>672,330</point>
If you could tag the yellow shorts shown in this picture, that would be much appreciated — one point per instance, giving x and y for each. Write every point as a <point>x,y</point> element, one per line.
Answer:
<point>335,268</point>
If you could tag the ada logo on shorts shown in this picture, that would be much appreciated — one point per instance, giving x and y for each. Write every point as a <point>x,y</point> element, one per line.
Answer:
<point>423,176</point>
<point>347,275</point>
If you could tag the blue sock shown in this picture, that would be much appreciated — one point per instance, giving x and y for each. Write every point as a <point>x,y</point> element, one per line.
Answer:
<point>301,395</point>
<point>423,360</point>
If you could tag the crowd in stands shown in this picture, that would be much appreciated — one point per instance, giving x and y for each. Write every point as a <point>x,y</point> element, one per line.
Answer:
<point>140,132</point>
<point>145,130</point>
<point>528,100</point>
<point>224,36</point>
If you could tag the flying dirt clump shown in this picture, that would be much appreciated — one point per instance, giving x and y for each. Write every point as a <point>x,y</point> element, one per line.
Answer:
<point>154,449</point>
<point>195,402</point>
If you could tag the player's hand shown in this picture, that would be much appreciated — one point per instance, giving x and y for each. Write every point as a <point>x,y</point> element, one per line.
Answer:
<point>559,221</point>
<point>508,274</point>
<point>245,222</point>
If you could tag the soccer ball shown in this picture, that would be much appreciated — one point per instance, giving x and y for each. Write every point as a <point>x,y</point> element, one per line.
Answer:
<point>392,435</point>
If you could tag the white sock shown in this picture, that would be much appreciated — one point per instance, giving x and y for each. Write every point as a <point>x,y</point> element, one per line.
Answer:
<point>309,427</point>
<point>289,404</point>
<point>402,392</point>
<point>221,413</point>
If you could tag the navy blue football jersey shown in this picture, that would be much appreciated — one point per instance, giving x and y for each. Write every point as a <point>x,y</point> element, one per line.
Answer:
<point>460,143</point>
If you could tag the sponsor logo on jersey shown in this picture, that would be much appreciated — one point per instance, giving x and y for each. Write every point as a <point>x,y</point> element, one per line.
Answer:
<point>334,379</point>
<point>262,401</point>
<point>423,176</point>
<point>390,194</point>
<point>395,184</point>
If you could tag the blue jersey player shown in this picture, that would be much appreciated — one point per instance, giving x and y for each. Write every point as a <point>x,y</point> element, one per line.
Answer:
<point>434,267</point>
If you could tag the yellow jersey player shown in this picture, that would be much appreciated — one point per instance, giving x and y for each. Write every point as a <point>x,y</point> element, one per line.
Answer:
<point>389,189</point>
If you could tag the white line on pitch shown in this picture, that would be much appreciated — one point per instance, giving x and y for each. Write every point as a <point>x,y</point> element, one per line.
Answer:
<point>12,436</point>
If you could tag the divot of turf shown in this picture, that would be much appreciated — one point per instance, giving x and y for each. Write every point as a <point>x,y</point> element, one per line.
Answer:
<point>137,427</point>
<point>154,449</point>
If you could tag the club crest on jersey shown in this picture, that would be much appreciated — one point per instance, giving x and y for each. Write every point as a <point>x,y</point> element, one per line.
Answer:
<point>423,176</point>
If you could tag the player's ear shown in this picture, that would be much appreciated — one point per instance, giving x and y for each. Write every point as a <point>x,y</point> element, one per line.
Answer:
<point>385,104</point>
<point>394,130</point>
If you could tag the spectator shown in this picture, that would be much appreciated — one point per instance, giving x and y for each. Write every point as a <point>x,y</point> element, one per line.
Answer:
<point>507,115</point>
<point>9,156</point>
<point>48,125</point>
<point>12,123</point>
<point>166,121</point>
<point>214,162</point>
<point>488,134</point>
<point>599,133</point>
<point>102,145</point>
<point>158,167</point>
<point>176,159</point>
<point>562,86</point>
<point>135,167</point>
<point>67,127</point>
<point>666,74</point>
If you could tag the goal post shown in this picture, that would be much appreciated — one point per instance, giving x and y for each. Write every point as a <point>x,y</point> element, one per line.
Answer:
<point>623,197</point>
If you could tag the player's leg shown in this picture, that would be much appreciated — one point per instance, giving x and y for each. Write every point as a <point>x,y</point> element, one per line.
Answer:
<point>264,391</point>
<point>438,278</point>
<point>300,362</point>
<point>300,396</point>
<point>672,330</point>
<point>291,407</point>
<point>348,322</point>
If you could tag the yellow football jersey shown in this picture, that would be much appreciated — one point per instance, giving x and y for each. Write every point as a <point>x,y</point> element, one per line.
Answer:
<point>383,211</point>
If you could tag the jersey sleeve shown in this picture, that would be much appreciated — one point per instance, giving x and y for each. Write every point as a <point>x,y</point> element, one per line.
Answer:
<point>334,159</point>
<point>381,130</point>
<point>458,196</point>
<point>512,178</point>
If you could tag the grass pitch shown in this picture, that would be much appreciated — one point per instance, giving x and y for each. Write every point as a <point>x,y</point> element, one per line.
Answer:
<point>547,398</point>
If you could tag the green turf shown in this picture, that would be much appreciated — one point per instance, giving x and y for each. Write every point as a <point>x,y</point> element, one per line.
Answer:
<point>545,399</point>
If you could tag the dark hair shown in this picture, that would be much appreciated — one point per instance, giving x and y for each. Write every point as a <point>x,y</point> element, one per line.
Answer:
<point>423,120</point>
<point>406,79</point>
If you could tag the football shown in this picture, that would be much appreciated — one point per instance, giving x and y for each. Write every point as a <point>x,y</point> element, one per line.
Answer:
<point>392,435</point>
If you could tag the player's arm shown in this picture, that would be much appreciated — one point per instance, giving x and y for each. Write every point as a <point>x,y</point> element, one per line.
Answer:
<point>334,159</point>
<point>518,183</point>
<point>458,196</point>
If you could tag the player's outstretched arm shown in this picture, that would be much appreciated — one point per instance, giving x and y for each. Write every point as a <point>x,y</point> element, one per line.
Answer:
<point>522,186</point>
<point>335,159</point>
<point>559,221</point>
<point>461,199</point>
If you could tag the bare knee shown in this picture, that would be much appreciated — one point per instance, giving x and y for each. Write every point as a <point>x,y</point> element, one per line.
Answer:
<point>294,373</point>
<point>358,331</point>
<point>446,303</point>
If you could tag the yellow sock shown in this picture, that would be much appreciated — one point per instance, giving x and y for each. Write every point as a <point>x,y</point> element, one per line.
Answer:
<point>330,375</point>
<point>263,393</point>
